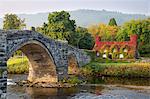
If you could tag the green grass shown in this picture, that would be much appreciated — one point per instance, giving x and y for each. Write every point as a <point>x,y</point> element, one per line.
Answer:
<point>17,65</point>
<point>116,69</point>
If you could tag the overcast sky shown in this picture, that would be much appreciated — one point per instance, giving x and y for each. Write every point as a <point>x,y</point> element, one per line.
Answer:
<point>36,6</point>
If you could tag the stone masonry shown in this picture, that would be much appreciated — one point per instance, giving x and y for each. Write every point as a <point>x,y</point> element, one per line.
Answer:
<point>48,58</point>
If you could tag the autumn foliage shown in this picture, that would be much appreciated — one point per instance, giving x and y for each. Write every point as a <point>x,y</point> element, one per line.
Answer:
<point>106,32</point>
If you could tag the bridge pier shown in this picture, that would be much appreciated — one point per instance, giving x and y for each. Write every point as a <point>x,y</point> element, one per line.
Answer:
<point>73,67</point>
<point>3,66</point>
<point>3,82</point>
<point>38,74</point>
<point>62,73</point>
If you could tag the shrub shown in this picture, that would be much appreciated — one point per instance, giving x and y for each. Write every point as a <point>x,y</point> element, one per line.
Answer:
<point>145,50</point>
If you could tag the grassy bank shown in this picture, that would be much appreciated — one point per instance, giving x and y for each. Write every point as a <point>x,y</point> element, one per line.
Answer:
<point>17,65</point>
<point>116,69</point>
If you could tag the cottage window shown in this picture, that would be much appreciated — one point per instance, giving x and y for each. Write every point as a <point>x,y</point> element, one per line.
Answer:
<point>121,56</point>
<point>97,54</point>
<point>104,56</point>
<point>125,50</point>
<point>115,50</point>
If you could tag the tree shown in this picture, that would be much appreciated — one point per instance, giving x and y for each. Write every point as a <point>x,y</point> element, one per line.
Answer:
<point>59,26</point>
<point>12,21</point>
<point>106,32</point>
<point>81,38</point>
<point>112,22</point>
<point>139,27</point>
<point>77,35</point>
<point>87,42</point>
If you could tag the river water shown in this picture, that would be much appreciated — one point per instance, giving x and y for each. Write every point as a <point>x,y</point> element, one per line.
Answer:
<point>98,88</point>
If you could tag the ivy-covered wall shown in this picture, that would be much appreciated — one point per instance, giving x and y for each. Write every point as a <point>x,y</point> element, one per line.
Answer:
<point>116,50</point>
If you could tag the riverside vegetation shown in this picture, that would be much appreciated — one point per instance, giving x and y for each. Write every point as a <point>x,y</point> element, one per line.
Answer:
<point>97,68</point>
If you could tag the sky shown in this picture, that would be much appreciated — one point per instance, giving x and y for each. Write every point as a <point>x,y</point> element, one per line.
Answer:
<point>38,6</point>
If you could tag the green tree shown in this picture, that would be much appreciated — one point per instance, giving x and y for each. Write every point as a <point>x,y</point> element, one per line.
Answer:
<point>59,26</point>
<point>139,27</point>
<point>87,42</point>
<point>77,35</point>
<point>112,22</point>
<point>12,21</point>
<point>82,38</point>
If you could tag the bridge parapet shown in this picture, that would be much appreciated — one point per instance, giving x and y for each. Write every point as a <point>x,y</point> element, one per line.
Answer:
<point>80,54</point>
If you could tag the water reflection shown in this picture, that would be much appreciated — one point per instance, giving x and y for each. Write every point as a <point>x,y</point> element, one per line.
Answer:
<point>53,93</point>
<point>79,92</point>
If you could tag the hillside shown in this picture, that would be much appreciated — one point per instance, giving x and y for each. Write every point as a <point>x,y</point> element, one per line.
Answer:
<point>82,17</point>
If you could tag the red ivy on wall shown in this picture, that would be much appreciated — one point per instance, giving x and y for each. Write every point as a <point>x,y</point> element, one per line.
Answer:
<point>130,45</point>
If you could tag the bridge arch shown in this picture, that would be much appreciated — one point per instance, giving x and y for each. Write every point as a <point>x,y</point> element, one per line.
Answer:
<point>73,65</point>
<point>42,67</point>
<point>48,57</point>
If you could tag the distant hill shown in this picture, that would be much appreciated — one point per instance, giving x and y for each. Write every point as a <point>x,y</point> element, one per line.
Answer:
<point>82,17</point>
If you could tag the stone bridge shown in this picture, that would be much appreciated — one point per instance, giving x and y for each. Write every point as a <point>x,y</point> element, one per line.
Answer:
<point>48,59</point>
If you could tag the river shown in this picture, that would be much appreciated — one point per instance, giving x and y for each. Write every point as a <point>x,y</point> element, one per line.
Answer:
<point>98,88</point>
